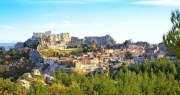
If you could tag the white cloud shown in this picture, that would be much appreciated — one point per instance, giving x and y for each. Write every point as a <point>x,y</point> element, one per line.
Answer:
<point>159,2</point>
<point>7,27</point>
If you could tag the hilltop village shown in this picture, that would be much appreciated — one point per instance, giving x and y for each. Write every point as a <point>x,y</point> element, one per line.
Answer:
<point>45,53</point>
<point>88,55</point>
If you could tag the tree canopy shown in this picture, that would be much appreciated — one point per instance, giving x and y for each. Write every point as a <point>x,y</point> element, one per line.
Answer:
<point>172,39</point>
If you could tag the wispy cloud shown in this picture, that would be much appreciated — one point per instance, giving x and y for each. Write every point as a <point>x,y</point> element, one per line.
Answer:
<point>159,2</point>
<point>7,27</point>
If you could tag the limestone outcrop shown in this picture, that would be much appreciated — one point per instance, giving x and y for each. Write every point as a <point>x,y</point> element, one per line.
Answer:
<point>76,40</point>
<point>28,75</point>
<point>34,56</point>
<point>19,46</point>
<point>46,41</point>
<point>35,72</point>
<point>25,84</point>
<point>144,44</point>
<point>103,40</point>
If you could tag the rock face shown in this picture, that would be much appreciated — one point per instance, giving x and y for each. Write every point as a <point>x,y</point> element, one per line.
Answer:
<point>128,42</point>
<point>25,84</point>
<point>46,40</point>
<point>34,56</point>
<point>76,40</point>
<point>28,75</point>
<point>104,40</point>
<point>50,41</point>
<point>36,72</point>
<point>18,46</point>
<point>141,43</point>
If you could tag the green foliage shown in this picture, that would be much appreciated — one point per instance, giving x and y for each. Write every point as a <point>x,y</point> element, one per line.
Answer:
<point>13,52</point>
<point>60,53</point>
<point>88,49</point>
<point>150,78</point>
<point>129,55</point>
<point>172,39</point>
<point>3,52</point>
<point>10,88</point>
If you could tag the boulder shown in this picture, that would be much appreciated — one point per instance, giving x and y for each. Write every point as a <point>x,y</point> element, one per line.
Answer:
<point>48,78</point>
<point>36,72</point>
<point>28,75</point>
<point>25,84</point>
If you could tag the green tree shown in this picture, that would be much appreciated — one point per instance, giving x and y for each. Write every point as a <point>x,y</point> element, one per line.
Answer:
<point>13,52</point>
<point>129,55</point>
<point>172,39</point>
<point>3,52</point>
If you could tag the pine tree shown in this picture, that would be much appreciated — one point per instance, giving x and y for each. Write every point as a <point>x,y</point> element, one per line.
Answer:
<point>172,39</point>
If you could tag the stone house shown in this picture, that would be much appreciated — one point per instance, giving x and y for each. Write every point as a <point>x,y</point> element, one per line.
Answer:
<point>86,64</point>
<point>50,60</point>
<point>152,50</point>
<point>65,61</point>
<point>160,54</point>
<point>139,60</point>
<point>108,51</point>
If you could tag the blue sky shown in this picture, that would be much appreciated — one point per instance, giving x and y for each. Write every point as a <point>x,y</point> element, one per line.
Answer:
<point>140,20</point>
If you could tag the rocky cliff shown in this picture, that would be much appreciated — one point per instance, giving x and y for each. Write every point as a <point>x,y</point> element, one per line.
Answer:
<point>103,40</point>
<point>76,40</point>
<point>18,46</point>
<point>34,56</point>
<point>50,41</point>
<point>43,41</point>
